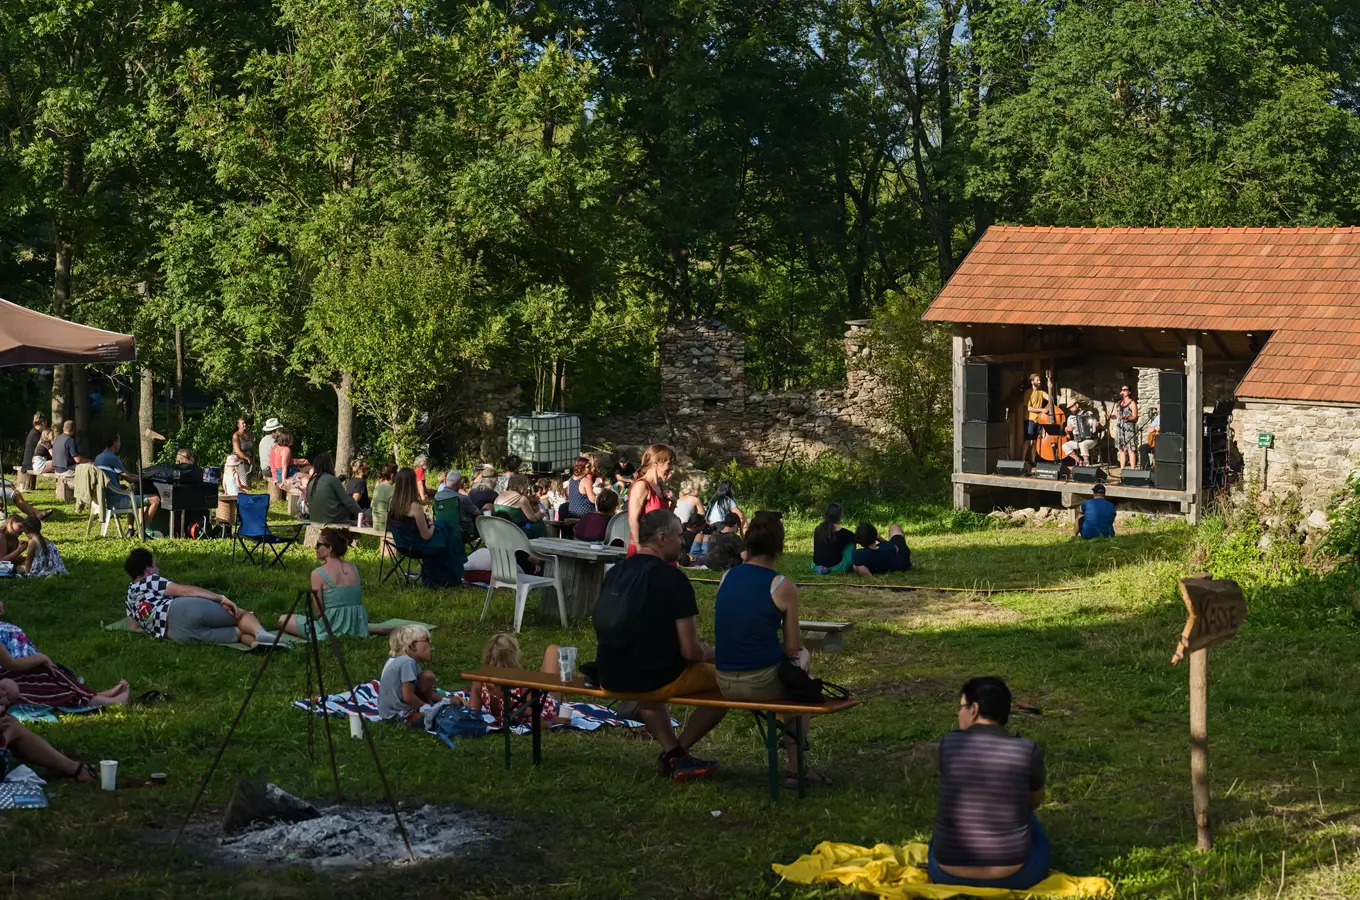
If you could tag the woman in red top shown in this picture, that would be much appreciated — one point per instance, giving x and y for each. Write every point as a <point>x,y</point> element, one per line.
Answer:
<point>645,494</point>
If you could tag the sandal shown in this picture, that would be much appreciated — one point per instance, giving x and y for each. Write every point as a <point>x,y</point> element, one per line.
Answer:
<point>83,774</point>
<point>151,698</point>
<point>810,777</point>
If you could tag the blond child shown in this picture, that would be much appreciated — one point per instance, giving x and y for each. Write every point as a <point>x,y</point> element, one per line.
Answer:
<point>404,687</point>
<point>502,652</point>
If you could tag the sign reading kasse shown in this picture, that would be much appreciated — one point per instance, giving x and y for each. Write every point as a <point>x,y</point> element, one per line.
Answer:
<point>1216,608</point>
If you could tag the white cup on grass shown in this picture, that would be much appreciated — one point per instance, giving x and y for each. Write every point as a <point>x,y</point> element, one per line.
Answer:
<point>108,774</point>
<point>356,726</point>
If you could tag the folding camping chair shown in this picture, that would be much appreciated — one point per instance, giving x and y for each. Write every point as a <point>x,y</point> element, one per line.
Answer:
<point>253,532</point>
<point>404,558</point>
<point>446,510</point>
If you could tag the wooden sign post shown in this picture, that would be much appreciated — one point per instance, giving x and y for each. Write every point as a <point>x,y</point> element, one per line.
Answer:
<point>1216,609</point>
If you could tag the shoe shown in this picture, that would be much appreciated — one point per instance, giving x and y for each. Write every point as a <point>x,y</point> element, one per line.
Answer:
<point>688,768</point>
<point>663,765</point>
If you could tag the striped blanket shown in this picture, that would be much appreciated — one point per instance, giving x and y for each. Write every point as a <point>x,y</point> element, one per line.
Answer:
<point>584,716</point>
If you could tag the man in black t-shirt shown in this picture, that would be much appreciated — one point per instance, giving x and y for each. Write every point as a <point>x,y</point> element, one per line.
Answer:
<point>31,442</point>
<point>646,623</point>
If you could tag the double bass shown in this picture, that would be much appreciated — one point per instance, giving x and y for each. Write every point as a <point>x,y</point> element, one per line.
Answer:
<point>1051,422</point>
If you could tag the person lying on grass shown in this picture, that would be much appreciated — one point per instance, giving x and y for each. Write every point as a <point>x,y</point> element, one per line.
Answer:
<point>754,605</point>
<point>404,689</point>
<point>42,681</point>
<point>183,613</point>
<point>336,589</point>
<point>646,621</point>
<point>877,556</point>
<point>27,746</point>
<point>991,781</point>
<point>502,652</point>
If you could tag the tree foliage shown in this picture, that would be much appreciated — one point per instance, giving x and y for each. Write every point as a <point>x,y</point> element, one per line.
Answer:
<point>361,203</point>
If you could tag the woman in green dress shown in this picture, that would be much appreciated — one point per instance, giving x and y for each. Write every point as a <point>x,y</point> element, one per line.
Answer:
<point>336,588</point>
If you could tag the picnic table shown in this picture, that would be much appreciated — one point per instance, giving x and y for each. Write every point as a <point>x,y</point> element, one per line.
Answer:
<point>580,571</point>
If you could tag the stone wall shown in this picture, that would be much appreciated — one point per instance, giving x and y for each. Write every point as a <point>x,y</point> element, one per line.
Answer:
<point>707,411</point>
<point>1315,448</point>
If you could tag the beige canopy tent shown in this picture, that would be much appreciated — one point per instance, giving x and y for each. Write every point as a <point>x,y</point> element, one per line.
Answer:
<point>29,338</point>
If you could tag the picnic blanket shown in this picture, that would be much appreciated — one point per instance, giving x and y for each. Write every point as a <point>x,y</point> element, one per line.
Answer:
<point>899,873</point>
<point>22,788</point>
<point>389,624</point>
<point>38,712</point>
<point>285,641</point>
<point>584,716</point>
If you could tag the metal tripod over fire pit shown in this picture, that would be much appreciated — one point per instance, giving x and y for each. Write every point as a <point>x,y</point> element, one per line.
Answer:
<point>313,642</point>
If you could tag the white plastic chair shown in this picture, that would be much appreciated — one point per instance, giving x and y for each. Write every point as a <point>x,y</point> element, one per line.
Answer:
<point>101,488</point>
<point>617,529</point>
<point>504,539</point>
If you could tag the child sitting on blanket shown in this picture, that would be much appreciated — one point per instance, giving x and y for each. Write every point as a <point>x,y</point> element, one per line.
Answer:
<point>404,689</point>
<point>502,652</point>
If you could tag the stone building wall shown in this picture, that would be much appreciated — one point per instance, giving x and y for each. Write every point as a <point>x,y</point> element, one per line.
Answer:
<point>1315,448</point>
<point>707,411</point>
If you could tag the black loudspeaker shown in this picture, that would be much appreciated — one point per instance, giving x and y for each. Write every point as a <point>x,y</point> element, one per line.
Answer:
<point>985,435</point>
<point>981,460</point>
<point>982,393</point>
<point>1048,471</point>
<point>1169,476</point>
<point>1012,467</point>
<point>1136,477</point>
<point>1088,474</point>
<point>1171,387</point>
<point>1170,449</point>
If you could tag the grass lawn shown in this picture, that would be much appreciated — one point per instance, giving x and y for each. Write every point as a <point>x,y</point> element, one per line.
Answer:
<point>594,821</point>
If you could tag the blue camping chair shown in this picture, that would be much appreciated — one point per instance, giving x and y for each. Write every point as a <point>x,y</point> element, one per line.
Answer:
<point>253,532</point>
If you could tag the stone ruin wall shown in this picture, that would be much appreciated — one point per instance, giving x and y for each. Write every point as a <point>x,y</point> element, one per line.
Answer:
<point>708,412</point>
<point>1315,448</point>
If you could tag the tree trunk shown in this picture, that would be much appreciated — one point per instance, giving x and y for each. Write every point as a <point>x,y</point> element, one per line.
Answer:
<point>146,415</point>
<point>562,387</point>
<point>179,377</point>
<point>80,406</point>
<point>344,427</point>
<point>61,303</point>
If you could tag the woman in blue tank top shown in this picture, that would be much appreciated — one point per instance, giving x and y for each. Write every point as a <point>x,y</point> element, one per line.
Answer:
<point>754,603</point>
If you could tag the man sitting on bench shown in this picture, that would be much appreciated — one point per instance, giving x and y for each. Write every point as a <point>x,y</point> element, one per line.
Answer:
<point>646,622</point>
<point>986,834</point>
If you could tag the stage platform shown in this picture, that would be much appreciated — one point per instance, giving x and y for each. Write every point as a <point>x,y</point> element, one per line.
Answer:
<point>1072,489</point>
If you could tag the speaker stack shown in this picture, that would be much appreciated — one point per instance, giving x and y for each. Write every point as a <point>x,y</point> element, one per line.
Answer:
<point>1170,451</point>
<point>985,436</point>
<point>1217,448</point>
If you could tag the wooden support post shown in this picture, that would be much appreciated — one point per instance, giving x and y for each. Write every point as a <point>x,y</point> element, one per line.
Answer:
<point>1194,425</point>
<point>1199,746</point>
<point>960,491</point>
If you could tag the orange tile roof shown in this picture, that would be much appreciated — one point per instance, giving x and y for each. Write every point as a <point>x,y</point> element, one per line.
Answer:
<point>1303,284</point>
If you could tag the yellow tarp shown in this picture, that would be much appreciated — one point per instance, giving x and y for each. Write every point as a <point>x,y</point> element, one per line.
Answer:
<point>899,873</point>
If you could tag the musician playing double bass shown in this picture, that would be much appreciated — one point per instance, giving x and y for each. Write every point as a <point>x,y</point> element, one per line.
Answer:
<point>1038,405</point>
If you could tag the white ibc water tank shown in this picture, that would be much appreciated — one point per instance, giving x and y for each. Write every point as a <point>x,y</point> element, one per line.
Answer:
<point>548,442</point>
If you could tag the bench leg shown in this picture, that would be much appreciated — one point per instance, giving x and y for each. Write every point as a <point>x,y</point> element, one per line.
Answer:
<point>772,753</point>
<point>505,723</point>
<point>536,712</point>
<point>801,731</point>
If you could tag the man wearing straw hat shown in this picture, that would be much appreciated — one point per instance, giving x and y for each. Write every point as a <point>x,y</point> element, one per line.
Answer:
<point>271,425</point>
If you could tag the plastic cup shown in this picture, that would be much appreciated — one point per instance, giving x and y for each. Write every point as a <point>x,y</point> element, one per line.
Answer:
<point>566,663</point>
<point>108,774</point>
<point>356,726</point>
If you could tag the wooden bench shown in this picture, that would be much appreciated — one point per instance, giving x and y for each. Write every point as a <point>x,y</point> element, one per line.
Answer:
<point>828,637</point>
<point>539,683</point>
